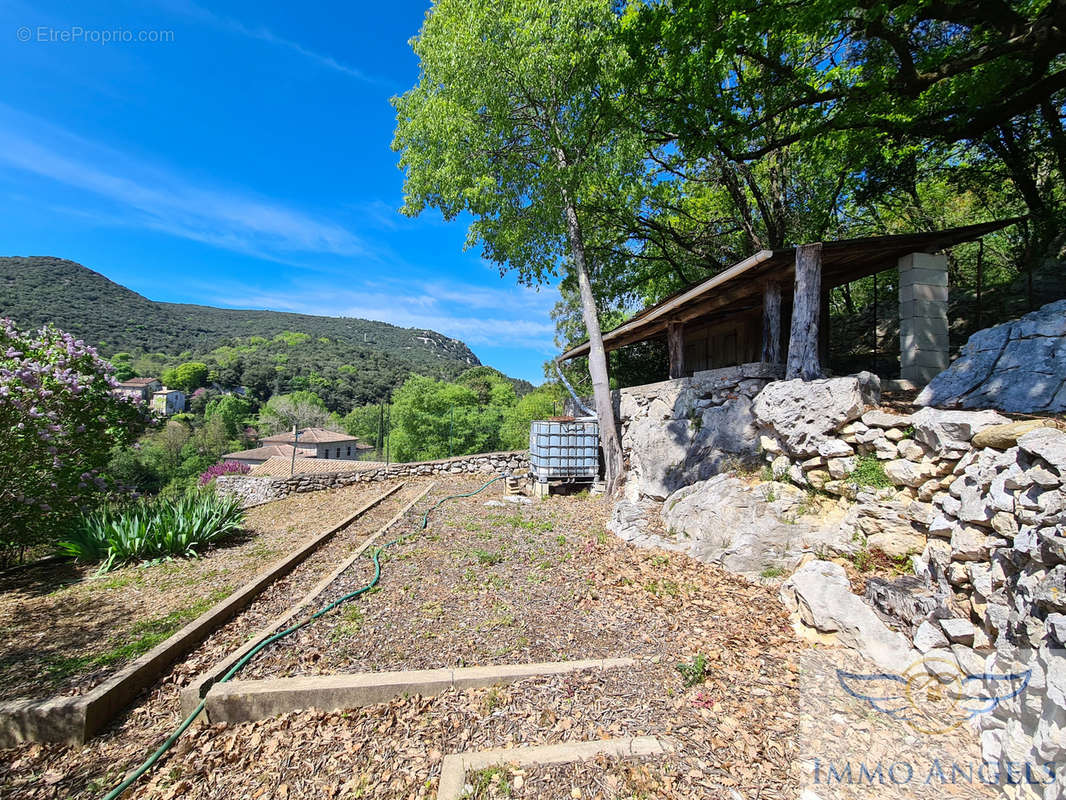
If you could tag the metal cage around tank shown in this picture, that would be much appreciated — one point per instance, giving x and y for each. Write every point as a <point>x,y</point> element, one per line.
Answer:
<point>564,450</point>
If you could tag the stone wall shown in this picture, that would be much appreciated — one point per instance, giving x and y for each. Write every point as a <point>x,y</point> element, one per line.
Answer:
<point>978,504</point>
<point>677,432</point>
<point>255,491</point>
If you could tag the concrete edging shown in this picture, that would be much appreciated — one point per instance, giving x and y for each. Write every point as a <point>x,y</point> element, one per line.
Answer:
<point>198,689</point>
<point>245,701</point>
<point>74,720</point>
<point>455,767</point>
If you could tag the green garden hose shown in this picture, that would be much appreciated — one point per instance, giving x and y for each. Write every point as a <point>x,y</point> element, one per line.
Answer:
<point>375,556</point>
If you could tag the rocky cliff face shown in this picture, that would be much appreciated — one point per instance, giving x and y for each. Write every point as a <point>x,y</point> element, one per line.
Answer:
<point>1017,366</point>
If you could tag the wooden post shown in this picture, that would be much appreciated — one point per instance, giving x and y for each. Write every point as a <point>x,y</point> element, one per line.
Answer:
<point>823,329</point>
<point>771,323</point>
<point>675,346</point>
<point>806,306</point>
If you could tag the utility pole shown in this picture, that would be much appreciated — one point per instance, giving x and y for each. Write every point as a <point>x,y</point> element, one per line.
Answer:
<point>295,439</point>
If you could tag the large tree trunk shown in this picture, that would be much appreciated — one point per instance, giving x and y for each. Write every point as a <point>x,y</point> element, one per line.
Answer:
<point>803,361</point>
<point>601,389</point>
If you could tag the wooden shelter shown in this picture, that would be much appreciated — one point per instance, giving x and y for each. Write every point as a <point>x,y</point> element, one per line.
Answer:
<point>773,306</point>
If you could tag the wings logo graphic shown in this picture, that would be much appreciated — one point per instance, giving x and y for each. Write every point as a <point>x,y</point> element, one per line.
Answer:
<point>933,695</point>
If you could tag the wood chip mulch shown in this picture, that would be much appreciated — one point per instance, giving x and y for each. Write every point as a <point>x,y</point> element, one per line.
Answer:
<point>499,584</point>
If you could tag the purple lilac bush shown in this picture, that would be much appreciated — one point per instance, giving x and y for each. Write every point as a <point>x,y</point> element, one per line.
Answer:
<point>59,420</point>
<point>223,468</point>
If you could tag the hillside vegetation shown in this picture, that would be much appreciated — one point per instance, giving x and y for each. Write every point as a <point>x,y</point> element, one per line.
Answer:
<point>346,361</point>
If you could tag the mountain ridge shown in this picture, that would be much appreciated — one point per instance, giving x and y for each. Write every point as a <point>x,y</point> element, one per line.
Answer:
<point>347,359</point>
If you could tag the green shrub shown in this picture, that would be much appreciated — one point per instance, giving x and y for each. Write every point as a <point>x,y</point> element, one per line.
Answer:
<point>869,472</point>
<point>693,672</point>
<point>153,528</point>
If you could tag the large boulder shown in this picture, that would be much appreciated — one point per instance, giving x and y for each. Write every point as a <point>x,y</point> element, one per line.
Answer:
<point>805,414</point>
<point>668,454</point>
<point>943,431</point>
<point>750,530</point>
<point>1017,366</point>
<point>1004,437</point>
<point>819,592</point>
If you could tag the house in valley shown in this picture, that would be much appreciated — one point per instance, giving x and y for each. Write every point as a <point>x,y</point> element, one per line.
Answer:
<point>320,443</point>
<point>258,455</point>
<point>168,402</point>
<point>138,388</point>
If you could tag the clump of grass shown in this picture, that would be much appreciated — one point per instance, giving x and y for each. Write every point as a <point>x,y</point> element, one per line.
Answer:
<point>869,472</point>
<point>772,572</point>
<point>485,780</point>
<point>353,622</point>
<point>158,527</point>
<point>665,587</point>
<point>143,636</point>
<point>693,672</point>
<point>488,557</point>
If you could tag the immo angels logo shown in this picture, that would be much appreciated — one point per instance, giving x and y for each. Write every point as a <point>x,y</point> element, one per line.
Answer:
<point>933,695</point>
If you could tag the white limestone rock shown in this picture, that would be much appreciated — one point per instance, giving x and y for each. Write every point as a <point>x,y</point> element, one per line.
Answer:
<point>1016,366</point>
<point>749,529</point>
<point>945,431</point>
<point>804,414</point>
<point>820,593</point>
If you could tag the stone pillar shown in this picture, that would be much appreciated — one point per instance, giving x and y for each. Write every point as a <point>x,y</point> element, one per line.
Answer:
<point>923,316</point>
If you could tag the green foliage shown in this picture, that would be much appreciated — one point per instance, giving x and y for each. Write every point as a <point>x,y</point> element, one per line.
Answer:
<point>58,422</point>
<point>188,376</point>
<point>869,472</point>
<point>234,411</point>
<point>693,672</point>
<point>301,409</point>
<point>433,419</point>
<point>153,528</point>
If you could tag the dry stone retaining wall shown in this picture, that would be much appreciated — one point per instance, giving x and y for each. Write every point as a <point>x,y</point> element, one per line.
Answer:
<point>254,490</point>
<point>979,504</point>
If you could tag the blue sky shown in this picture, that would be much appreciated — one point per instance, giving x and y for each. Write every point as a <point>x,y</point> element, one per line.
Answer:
<point>245,162</point>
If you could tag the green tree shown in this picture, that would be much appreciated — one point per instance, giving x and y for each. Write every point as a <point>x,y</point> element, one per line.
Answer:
<point>543,402</point>
<point>236,413</point>
<point>433,419</point>
<point>366,423</point>
<point>516,119</point>
<point>123,366</point>
<point>301,409</point>
<point>188,377</point>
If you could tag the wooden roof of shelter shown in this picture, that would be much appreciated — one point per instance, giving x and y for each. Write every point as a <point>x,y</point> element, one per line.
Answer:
<point>740,287</point>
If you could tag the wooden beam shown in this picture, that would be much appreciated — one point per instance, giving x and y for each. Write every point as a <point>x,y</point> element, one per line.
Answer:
<point>771,323</point>
<point>675,346</point>
<point>803,359</point>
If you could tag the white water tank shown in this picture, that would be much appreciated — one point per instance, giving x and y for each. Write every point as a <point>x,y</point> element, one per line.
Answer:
<point>564,450</point>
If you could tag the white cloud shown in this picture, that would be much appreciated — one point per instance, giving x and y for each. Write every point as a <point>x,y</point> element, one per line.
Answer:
<point>145,195</point>
<point>264,34</point>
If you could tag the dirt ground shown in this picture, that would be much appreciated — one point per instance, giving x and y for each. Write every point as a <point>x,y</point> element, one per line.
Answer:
<point>63,629</point>
<point>486,584</point>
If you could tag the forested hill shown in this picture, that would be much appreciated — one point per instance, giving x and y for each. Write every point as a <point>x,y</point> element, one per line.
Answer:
<point>347,361</point>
